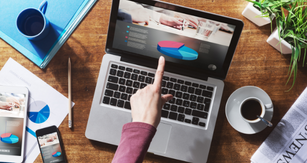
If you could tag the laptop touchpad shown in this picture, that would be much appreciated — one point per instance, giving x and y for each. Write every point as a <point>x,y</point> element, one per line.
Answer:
<point>160,140</point>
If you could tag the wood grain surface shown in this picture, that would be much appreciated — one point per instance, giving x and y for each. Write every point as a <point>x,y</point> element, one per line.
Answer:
<point>255,63</point>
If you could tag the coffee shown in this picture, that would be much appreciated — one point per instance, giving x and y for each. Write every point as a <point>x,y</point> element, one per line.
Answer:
<point>34,24</point>
<point>250,109</point>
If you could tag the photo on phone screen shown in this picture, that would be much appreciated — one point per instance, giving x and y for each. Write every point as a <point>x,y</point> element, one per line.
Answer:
<point>51,150</point>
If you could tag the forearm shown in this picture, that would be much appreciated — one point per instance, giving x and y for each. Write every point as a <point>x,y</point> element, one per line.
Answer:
<point>134,143</point>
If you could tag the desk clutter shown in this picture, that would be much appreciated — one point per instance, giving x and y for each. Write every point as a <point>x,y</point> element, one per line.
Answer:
<point>285,143</point>
<point>38,29</point>
<point>40,46</point>
<point>42,110</point>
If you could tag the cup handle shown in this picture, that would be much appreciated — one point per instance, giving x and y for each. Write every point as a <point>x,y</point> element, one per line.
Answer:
<point>43,6</point>
<point>268,106</point>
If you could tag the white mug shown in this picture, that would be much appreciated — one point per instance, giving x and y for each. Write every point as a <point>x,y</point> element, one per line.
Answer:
<point>263,109</point>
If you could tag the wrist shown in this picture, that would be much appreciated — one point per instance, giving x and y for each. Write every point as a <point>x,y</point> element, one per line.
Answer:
<point>145,121</point>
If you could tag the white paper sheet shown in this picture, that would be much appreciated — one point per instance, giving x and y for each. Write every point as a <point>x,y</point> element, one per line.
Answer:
<point>41,95</point>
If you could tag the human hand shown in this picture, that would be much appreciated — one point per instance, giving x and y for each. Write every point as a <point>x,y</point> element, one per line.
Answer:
<point>50,139</point>
<point>140,16</point>
<point>225,28</point>
<point>13,100</point>
<point>146,103</point>
<point>192,20</point>
<point>42,144</point>
<point>6,105</point>
<point>171,21</point>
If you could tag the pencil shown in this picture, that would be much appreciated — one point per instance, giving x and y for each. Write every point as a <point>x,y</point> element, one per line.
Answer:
<point>69,94</point>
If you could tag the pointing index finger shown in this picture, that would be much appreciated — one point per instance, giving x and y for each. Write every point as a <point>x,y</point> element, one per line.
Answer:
<point>159,72</point>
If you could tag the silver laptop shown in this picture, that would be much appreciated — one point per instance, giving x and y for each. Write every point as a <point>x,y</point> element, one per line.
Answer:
<point>198,48</point>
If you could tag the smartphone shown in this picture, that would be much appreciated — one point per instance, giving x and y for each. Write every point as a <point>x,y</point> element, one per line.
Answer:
<point>13,113</point>
<point>50,145</point>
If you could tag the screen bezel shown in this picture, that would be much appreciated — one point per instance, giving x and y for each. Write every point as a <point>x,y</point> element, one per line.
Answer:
<point>46,131</point>
<point>232,47</point>
<point>17,90</point>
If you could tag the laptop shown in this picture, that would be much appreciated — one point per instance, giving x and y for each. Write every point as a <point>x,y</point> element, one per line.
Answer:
<point>198,48</point>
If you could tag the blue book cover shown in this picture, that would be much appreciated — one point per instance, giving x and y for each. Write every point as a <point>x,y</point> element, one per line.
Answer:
<point>64,16</point>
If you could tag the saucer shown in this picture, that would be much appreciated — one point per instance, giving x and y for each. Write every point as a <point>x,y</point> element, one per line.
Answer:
<point>233,114</point>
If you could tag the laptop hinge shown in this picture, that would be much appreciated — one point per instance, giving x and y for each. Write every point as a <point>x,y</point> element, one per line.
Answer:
<point>151,63</point>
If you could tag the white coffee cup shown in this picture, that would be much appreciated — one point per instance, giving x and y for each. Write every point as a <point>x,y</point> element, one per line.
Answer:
<point>251,107</point>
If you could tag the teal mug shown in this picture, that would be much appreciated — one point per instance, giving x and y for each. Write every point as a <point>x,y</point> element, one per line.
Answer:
<point>32,23</point>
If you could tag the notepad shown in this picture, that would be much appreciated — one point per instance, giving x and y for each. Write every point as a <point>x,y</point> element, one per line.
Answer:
<point>64,16</point>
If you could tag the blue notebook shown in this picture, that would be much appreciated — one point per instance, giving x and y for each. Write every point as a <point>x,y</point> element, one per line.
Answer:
<point>64,17</point>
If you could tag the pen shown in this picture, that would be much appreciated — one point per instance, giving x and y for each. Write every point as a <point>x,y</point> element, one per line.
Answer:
<point>69,94</point>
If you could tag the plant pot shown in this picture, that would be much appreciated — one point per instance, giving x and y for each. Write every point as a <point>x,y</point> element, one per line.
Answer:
<point>284,47</point>
<point>254,15</point>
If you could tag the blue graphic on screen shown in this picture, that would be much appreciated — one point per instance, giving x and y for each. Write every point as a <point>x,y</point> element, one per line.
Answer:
<point>177,50</point>
<point>9,138</point>
<point>39,112</point>
<point>56,154</point>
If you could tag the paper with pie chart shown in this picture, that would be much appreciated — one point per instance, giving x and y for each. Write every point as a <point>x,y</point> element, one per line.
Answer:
<point>46,106</point>
<point>177,50</point>
<point>39,112</point>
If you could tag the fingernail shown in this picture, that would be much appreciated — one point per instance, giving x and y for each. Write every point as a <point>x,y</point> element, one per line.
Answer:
<point>161,58</point>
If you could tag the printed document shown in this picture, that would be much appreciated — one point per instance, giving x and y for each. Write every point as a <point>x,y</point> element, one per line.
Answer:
<point>287,143</point>
<point>46,105</point>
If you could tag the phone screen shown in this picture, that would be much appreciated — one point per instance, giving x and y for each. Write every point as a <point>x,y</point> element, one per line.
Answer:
<point>12,113</point>
<point>50,148</point>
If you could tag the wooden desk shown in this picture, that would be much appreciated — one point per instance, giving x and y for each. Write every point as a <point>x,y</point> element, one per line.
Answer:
<point>255,63</point>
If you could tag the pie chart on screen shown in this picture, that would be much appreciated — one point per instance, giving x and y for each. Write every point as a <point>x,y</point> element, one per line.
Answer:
<point>9,138</point>
<point>177,50</point>
<point>56,154</point>
<point>39,112</point>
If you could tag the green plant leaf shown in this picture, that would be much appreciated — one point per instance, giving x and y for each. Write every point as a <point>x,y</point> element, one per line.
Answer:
<point>292,27</point>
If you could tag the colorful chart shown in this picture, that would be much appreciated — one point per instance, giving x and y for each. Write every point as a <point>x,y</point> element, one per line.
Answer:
<point>9,138</point>
<point>177,50</point>
<point>56,154</point>
<point>39,112</point>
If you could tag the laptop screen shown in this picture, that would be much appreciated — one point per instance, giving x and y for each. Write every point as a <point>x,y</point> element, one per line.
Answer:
<point>187,38</point>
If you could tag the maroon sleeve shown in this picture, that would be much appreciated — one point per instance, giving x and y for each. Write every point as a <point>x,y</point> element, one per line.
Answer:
<point>134,142</point>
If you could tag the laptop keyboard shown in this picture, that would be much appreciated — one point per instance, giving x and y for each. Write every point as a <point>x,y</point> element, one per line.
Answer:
<point>190,105</point>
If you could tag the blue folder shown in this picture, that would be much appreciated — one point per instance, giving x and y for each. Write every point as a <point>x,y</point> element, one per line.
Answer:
<point>64,17</point>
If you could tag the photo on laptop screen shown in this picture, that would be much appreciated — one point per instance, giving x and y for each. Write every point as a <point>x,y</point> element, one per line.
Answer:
<point>184,39</point>
<point>12,113</point>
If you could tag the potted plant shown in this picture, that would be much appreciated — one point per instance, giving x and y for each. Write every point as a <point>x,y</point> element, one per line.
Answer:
<point>291,25</point>
<point>262,12</point>
<point>253,14</point>
<point>279,44</point>
<point>290,35</point>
